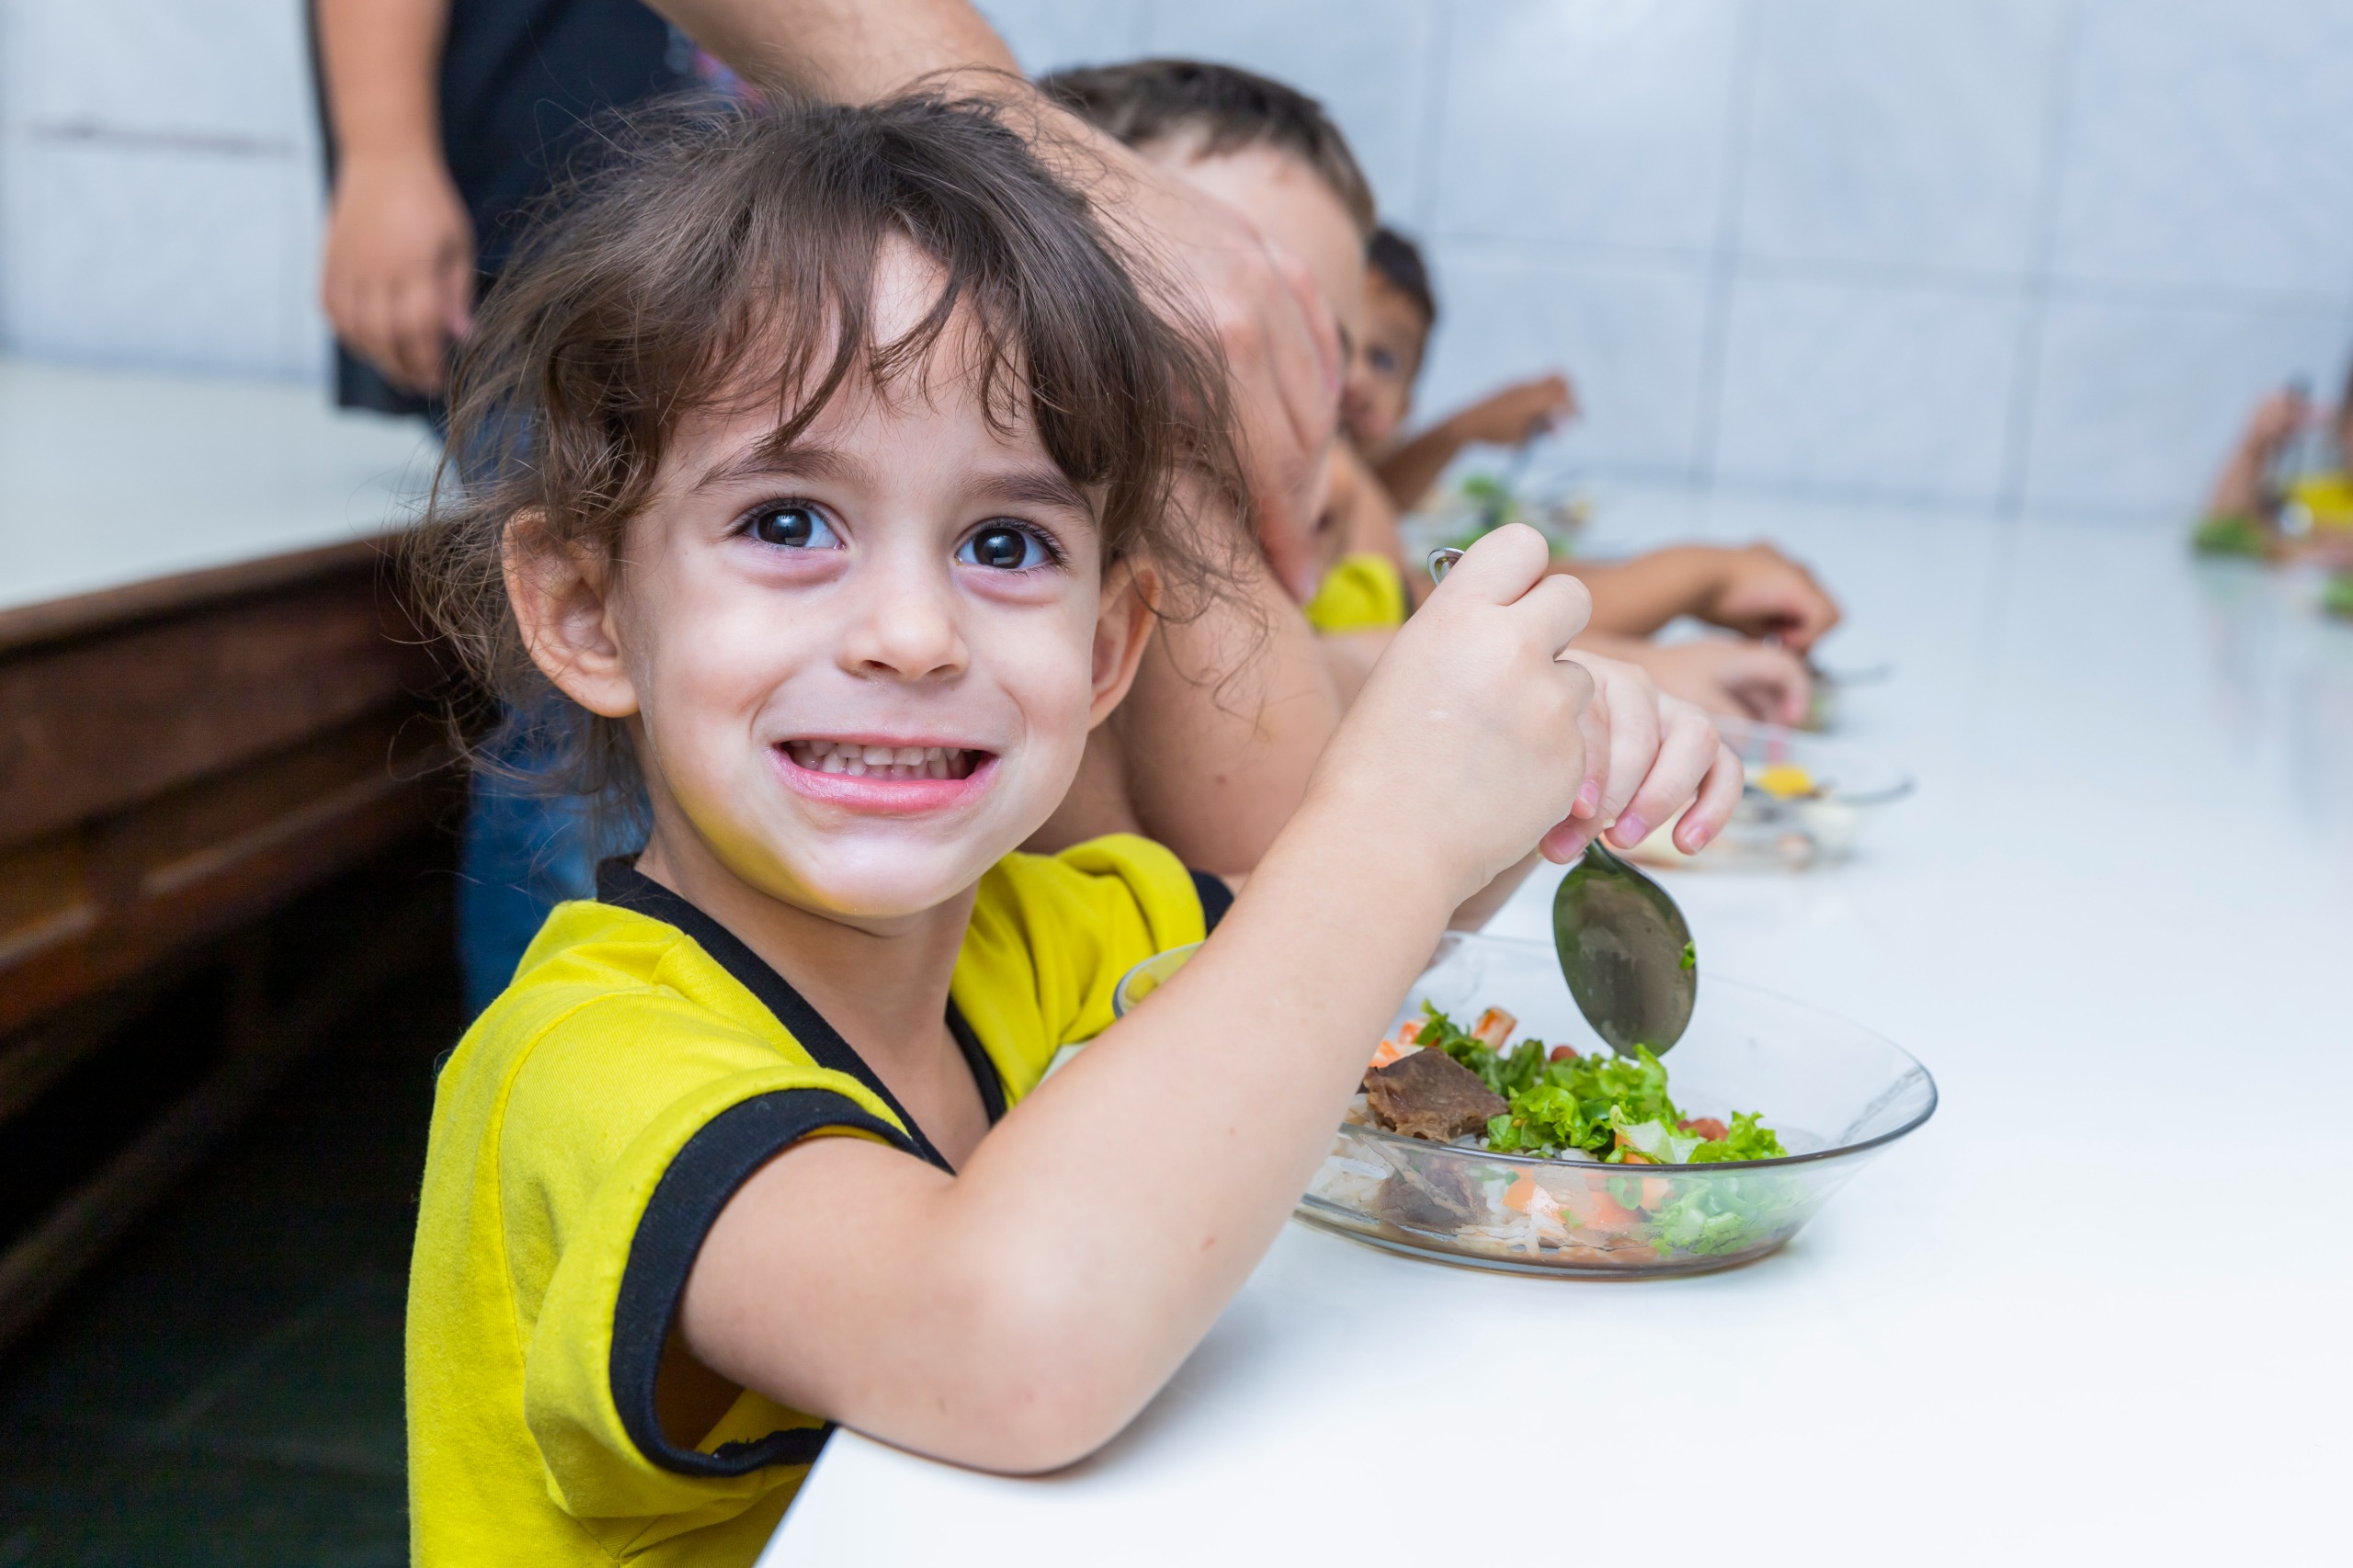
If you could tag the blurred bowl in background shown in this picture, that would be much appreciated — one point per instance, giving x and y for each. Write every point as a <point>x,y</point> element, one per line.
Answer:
<point>1807,800</point>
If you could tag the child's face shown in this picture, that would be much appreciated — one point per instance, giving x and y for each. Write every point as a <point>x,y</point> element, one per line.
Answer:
<point>1380,393</point>
<point>862,669</point>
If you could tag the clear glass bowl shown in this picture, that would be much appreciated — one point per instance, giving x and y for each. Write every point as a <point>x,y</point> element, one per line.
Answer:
<point>1837,1093</point>
<point>1770,833</point>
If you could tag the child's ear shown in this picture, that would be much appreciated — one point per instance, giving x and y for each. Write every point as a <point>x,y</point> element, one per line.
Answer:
<point>563,604</point>
<point>1122,628</point>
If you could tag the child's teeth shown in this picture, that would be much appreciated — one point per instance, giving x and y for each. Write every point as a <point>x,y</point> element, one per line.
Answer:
<point>861,761</point>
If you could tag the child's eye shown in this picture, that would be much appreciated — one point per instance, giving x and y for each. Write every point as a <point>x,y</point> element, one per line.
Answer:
<point>1383,360</point>
<point>1005,548</point>
<point>794,525</point>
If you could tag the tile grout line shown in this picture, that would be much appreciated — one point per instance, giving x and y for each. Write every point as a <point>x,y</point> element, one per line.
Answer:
<point>2026,371</point>
<point>1437,57</point>
<point>1723,261</point>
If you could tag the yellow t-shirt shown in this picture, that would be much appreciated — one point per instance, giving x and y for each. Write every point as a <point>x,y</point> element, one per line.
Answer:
<point>587,1132</point>
<point>1363,592</point>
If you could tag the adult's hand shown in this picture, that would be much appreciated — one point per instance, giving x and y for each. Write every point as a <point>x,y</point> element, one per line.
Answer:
<point>399,280</point>
<point>1281,343</point>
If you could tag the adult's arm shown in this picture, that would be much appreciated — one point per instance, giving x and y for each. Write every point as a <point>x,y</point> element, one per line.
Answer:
<point>1280,344</point>
<point>398,278</point>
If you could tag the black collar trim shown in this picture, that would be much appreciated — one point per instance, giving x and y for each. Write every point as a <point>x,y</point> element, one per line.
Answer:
<point>623,886</point>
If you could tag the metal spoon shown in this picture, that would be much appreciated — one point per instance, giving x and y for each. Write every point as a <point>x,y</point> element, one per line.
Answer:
<point>1624,947</point>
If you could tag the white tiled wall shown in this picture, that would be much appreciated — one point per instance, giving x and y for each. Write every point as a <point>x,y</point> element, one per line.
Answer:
<point>159,186</point>
<point>2037,251</point>
<point>1970,252</point>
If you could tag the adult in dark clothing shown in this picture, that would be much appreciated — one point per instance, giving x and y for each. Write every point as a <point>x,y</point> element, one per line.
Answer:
<point>447,122</point>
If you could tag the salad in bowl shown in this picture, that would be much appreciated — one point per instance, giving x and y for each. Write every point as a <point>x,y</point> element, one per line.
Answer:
<point>1522,1142</point>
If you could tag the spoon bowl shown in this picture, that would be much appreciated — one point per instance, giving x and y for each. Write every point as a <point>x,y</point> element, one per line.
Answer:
<point>1626,951</point>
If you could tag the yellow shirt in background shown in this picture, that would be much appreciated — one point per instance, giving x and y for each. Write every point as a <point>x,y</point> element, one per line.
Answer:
<point>588,1130</point>
<point>1363,592</point>
<point>2326,498</point>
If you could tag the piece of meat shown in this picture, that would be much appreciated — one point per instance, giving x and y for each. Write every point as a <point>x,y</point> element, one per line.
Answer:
<point>1431,1095</point>
<point>1706,1126</point>
<point>1439,1200</point>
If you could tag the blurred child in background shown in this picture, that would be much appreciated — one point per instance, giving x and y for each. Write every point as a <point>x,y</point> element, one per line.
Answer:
<point>1754,591</point>
<point>1400,309</point>
<point>1214,750</point>
<point>2285,490</point>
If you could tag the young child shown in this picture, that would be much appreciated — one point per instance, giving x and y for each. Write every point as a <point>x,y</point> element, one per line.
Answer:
<point>1400,311</point>
<point>843,452</point>
<point>1756,591</point>
<point>1271,152</point>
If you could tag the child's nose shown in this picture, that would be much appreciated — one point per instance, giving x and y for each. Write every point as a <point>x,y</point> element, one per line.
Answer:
<point>906,627</point>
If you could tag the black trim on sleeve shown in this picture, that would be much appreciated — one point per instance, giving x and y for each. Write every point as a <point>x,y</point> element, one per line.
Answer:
<point>1216,898</point>
<point>625,887</point>
<point>719,1157</point>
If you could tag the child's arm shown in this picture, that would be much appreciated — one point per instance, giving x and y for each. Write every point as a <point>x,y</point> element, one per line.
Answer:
<point>1016,1315</point>
<point>1757,592</point>
<point>1503,418</point>
<point>2238,489</point>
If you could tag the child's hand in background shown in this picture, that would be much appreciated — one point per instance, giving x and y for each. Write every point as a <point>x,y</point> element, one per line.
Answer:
<point>2277,419</point>
<point>1507,417</point>
<point>1732,676</point>
<point>1760,592</point>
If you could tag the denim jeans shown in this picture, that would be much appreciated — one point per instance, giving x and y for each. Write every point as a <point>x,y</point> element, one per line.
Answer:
<point>522,852</point>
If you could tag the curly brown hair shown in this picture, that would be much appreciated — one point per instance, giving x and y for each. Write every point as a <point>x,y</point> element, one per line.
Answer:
<point>723,257</point>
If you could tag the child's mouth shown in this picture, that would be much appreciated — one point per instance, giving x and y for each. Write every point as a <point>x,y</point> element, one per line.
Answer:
<point>881,762</point>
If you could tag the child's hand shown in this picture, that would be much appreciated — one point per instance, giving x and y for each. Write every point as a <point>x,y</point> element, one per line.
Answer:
<point>1507,417</point>
<point>1467,740</point>
<point>1761,592</point>
<point>2276,419</point>
<point>1647,755</point>
<point>1732,676</point>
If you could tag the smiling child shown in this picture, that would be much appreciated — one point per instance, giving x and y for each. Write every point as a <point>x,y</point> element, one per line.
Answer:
<point>841,496</point>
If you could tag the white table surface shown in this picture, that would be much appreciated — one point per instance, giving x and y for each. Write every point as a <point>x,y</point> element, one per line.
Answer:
<point>114,477</point>
<point>2097,1310</point>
